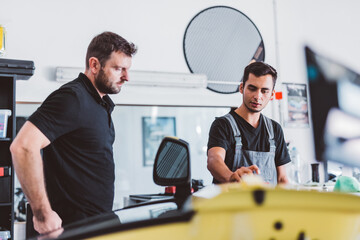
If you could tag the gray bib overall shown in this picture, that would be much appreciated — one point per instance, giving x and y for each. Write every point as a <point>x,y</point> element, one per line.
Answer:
<point>264,160</point>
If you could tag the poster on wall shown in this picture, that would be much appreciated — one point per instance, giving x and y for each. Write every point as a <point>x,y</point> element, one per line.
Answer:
<point>154,130</point>
<point>295,105</point>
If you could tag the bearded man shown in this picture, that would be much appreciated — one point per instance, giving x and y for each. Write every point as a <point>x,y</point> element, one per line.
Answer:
<point>74,179</point>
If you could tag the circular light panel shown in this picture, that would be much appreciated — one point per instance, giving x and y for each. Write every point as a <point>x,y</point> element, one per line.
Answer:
<point>220,42</point>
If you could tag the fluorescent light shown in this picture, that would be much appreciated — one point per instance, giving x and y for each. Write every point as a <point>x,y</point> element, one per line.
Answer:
<point>223,82</point>
<point>166,79</point>
<point>145,78</point>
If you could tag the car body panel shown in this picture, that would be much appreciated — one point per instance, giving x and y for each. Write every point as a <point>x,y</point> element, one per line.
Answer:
<point>238,211</point>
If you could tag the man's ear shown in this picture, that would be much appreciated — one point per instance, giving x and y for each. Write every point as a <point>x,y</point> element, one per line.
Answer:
<point>241,88</point>
<point>94,65</point>
<point>272,95</point>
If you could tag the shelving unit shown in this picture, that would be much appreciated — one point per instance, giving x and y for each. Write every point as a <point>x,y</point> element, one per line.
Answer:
<point>10,71</point>
<point>7,101</point>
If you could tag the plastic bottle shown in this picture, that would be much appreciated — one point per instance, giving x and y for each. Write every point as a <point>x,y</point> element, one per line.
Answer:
<point>296,162</point>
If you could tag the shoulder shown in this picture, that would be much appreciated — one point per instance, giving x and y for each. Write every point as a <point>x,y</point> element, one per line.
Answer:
<point>221,122</point>
<point>278,131</point>
<point>221,126</point>
<point>221,119</point>
<point>71,90</point>
<point>63,97</point>
<point>276,125</point>
<point>220,134</point>
<point>58,113</point>
<point>74,87</point>
<point>65,100</point>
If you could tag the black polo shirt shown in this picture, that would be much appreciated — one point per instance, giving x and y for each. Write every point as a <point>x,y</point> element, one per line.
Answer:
<point>78,164</point>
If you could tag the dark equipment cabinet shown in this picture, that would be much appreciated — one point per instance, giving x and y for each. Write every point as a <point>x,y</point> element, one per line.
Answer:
<point>10,71</point>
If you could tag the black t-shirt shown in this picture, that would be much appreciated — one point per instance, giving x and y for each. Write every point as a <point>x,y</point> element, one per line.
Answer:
<point>254,139</point>
<point>78,164</point>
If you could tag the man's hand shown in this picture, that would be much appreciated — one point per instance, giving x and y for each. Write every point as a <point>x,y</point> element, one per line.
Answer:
<point>282,180</point>
<point>46,223</point>
<point>236,176</point>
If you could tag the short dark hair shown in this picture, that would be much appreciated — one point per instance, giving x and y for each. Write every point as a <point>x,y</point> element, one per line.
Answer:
<point>102,45</point>
<point>259,69</point>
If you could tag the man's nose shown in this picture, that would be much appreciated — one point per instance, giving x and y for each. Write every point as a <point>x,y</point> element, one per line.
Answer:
<point>258,95</point>
<point>125,76</point>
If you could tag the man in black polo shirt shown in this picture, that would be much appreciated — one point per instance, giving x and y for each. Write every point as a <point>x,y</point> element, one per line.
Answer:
<point>73,126</point>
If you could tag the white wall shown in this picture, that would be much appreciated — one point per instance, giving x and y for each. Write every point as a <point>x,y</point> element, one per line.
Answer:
<point>330,28</point>
<point>56,33</point>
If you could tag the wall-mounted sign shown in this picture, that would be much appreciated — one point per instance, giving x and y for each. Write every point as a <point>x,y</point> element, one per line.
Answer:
<point>154,130</point>
<point>296,111</point>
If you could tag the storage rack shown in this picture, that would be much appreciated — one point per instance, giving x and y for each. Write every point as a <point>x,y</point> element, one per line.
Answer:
<point>7,101</point>
<point>10,71</point>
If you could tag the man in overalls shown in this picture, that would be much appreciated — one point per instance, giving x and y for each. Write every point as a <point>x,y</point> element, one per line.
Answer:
<point>244,141</point>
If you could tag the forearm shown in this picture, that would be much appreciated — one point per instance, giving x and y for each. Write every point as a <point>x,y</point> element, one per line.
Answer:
<point>281,174</point>
<point>29,170</point>
<point>25,151</point>
<point>219,170</point>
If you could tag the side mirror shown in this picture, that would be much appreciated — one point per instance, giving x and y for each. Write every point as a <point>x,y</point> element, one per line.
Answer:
<point>172,166</point>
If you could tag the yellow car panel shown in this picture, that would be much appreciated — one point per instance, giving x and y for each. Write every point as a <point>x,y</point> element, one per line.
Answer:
<point>238,211</point>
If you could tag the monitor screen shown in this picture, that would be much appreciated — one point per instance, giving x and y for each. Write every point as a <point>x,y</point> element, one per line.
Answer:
<point>335,109</point>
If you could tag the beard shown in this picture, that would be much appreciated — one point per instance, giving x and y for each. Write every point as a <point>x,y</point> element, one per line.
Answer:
<point>104,85</point>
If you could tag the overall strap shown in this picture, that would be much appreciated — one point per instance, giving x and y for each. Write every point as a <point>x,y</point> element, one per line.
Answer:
<point>233,124</point>
<point>270,129</point>
<point>238,143</point>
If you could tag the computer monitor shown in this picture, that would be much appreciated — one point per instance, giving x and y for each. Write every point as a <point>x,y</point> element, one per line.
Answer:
<point>335,109</point>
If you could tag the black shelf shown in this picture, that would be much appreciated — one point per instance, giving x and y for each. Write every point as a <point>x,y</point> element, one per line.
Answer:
<point>5,204</point>
<point>5,139</point>
<point>10,71</point>
<point>7,101</point>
